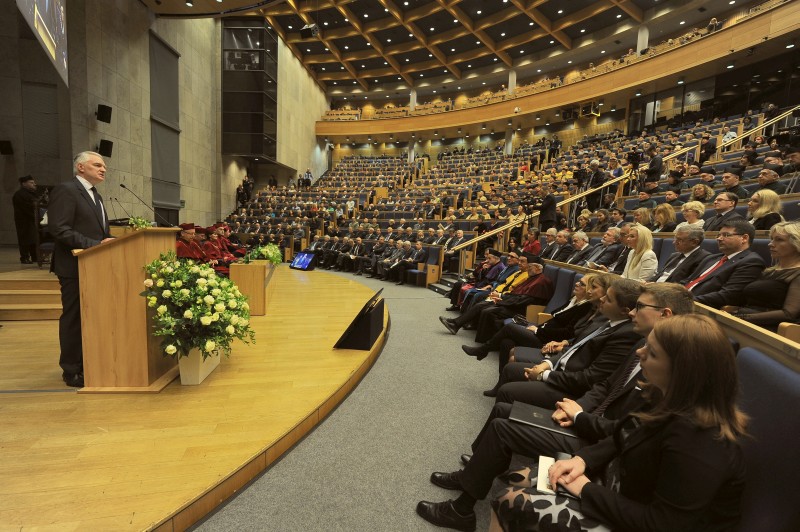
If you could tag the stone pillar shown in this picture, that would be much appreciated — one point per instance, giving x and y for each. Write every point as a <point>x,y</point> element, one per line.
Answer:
<point>508,149</point>
<point>412,101</point>
<point>512,81</point>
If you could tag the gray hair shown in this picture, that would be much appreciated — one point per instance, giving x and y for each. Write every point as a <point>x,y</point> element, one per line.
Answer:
<point>82,158</point>
<point>614,231</point>
<point>694,233</point>
<point>581,236</point>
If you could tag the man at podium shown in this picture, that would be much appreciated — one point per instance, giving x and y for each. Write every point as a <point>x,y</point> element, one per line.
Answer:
<point>77,219</point>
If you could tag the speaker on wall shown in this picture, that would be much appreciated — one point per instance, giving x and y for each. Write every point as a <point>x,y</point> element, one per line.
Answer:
<point>309,30</point>
<point>6,148</point>
<point>105,147</point>
<point>103,113</point>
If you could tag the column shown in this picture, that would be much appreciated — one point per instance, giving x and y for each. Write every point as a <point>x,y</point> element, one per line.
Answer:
<point>508,149</point>
<point>412,101</point>
<point>643,39</point>
<point>512,81</point>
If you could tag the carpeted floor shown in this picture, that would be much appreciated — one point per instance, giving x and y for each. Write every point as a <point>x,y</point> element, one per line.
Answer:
<point>366,466</point>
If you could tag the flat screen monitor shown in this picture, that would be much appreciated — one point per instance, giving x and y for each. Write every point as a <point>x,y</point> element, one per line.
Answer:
<point>303,261</point>
<point>369,305</point>
<point>48,20</point>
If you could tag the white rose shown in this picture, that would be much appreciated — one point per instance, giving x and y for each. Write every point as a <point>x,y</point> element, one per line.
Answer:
<point>219,307</point>
<point>215,316</point>
<point>178,283</point>
<point>243,322</point>
<point>202,282</point>
<point>215,292</point>
<point>188,315</point>
<point>148,283</point>
<point>232,303</point>
<point>169,269</point>
<point>166,293</point>
<point>184,292</point>
<point>194,269</point>
<point>205,320</point>
<point>234,319</point>
<point>160,283</point>
<point>245,306</point>
<point>229,329</point>
<point>171,349</point>
<point>210,345</point>
<point>162,309</point>
<point>209,300</point>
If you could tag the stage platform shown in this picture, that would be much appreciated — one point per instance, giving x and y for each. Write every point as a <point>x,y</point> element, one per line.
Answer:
<point>74,461</point>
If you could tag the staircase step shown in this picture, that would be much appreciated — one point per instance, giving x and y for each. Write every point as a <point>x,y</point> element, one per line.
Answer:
<point>49,283</point>
<point>438,288</point>
<point>29,312</point>
<point>26,297</point>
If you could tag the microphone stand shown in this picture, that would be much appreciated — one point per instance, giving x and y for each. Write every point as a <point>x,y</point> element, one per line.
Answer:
<point>146,205</point>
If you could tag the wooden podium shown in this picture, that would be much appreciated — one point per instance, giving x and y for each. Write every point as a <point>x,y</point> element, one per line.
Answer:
<point>120,355</point>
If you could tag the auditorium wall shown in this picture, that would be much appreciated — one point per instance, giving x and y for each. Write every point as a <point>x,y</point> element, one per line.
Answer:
<point>109,64</point>
<point>301,103</point>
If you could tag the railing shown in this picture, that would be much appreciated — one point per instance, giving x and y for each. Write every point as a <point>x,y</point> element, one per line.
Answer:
<point>628,175</point>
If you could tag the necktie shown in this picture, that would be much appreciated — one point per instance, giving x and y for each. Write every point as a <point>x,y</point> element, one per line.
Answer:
<point>617,388</point>
<point>565,356</point>
<point>98,206</point>
<point>670,266</point>
<point>692,284</point>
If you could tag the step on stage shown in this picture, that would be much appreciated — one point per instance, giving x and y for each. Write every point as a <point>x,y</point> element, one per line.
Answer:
<point>163,461</point>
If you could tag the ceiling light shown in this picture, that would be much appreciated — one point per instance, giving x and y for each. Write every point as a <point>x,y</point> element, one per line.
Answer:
<point>308,50</point>
<point>479,11</point>
<point>538,70</point>
<point>503,34</point>
<point>560,11</point>
<point>790,45</point>
<point>366,15</point>
<point>583,31</point>
<point>469,66</point>
<point>346,47</point>
<point>189,3</point>
<point>731,65</point>
<point>569,62</point>
<point>455,21</point>
<point>324,23</point>
<point>602,51</point>
<point>289,27</point>
<point>681,81</point>
<point>551,42</point>
<point>432,29</point>
<point>638,92</point>
<point>530,23</point>
<point>407,60</point>
<point>452,49</point>
<point>388,40</point>
<point>495,59</point>
<point>682,22</point>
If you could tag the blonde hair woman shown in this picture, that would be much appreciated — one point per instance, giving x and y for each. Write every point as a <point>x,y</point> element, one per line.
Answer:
<point>642,261</point>
<point>664,216</point>
<point>643,216</point>
<point>693,212</point>
<point>764,209</point>
<point>703,193</point>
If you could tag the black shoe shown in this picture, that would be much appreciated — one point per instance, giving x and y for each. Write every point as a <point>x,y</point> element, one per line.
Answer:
<point>491,393</point>
<point>478,352</point>
<point>449,325</point>
<point>370,276</point>
<point>74,380</point>
<point>357,273</point>
<point>452,308</point>
<point>465,458</point>
<point>26,261</point>
<point>448,481</point>
<point>469,327</point>
<point>444,515</point>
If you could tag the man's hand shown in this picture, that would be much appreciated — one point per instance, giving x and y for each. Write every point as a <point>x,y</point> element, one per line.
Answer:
<point>533,373</point>
<point>553,347</point>
<point>561,417</point>
<point>107,240</point>
<point>565,472</point>
<point>576,486</point>
<point>533,328</point>
<point>570,408</point>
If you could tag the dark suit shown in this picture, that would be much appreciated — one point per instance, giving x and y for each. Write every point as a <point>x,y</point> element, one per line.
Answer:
<point>604,255</point>
<point>579,255</point>
<point>419,255</point>
<point>688,477</point>
<point>684,269</point>
<point>717,222</point>
<point>547,212</point>
<point>563,253</point>
<point>547,252</point>
<point>590,363</point>
<point>725,285</point>
<point>75,223</point>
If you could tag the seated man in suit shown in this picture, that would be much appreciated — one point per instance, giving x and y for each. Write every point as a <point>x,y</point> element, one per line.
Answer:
<point>720,278</point>
<point>346,260</point>
<point>385,263</point>
<point>420,254</point>
<point>368,261</point>
<point>688,255</point>
<point>562,249</point>
<point>580,242</point>
<point>550,243</point>
<point>592,416</point>
<point>608,250</point>
<point>724,205</point>
<point>570,371</point>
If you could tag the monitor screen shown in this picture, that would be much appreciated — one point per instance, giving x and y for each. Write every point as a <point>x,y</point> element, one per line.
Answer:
<point>48,20</point>
<point>303,261</point>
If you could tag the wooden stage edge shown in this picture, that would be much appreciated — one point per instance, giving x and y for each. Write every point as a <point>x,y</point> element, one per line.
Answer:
<point>205,503</point>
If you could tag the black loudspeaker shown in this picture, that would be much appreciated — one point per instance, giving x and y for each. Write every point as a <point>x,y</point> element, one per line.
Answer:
<point>309,31</point>
<point>105,147</point>
<point>104,113</point>
<point>6,148</point>
<point>644,51</point>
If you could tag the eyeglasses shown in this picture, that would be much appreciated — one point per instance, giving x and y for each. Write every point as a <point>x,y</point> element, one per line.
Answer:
<point>580,283</point>
<point>640,306</point>
<point>725,234</point>
<point>720,200</point>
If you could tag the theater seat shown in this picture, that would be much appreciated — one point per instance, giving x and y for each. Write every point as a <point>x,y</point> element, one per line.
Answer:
<point>768,393</point>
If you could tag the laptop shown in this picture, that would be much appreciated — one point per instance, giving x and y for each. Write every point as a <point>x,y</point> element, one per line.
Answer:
<point>538,417</point>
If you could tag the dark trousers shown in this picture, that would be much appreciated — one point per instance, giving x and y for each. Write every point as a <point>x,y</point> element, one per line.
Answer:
<point>491,321</point>
<point>69,326</point>
<point>498,440</point>
<point>510,336</point>
<point>514,387</point>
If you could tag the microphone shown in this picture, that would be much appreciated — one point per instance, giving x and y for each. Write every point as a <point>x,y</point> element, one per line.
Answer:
<point>122,207</point>
<point>146,205</point>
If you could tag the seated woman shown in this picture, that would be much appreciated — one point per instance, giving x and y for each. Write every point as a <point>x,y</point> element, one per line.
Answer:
<point>702,193</point>
<point>643,216</point>
<point>664,216</point>
<point>642,261</point>
<point>764,209</point>
<point>677,465</point>
<point>582,224</point>
<point>775,297</point>
<point>566,323</point>
<point>693,212</point>
<point>603,221</point>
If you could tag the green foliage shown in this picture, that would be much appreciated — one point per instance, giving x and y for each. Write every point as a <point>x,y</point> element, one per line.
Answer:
<point>137,222</point>
<point>194,307</point>
<point>271,252</point>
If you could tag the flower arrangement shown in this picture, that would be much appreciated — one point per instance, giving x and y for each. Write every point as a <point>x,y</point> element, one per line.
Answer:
<point>137,222</point>
<point>194,307</point>
<point>271,252</point>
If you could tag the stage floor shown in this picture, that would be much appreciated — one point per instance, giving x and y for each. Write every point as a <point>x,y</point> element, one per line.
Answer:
<point>130,462</point>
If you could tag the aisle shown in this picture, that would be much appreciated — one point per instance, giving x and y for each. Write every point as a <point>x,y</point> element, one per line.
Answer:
<point>367,465</point>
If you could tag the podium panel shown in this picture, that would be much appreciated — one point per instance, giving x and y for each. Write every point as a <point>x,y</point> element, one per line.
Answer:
<point>119,352</point>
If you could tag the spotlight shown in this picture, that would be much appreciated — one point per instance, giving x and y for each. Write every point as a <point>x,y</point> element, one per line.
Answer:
<point>189,3</point>
<point>681,81</point>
